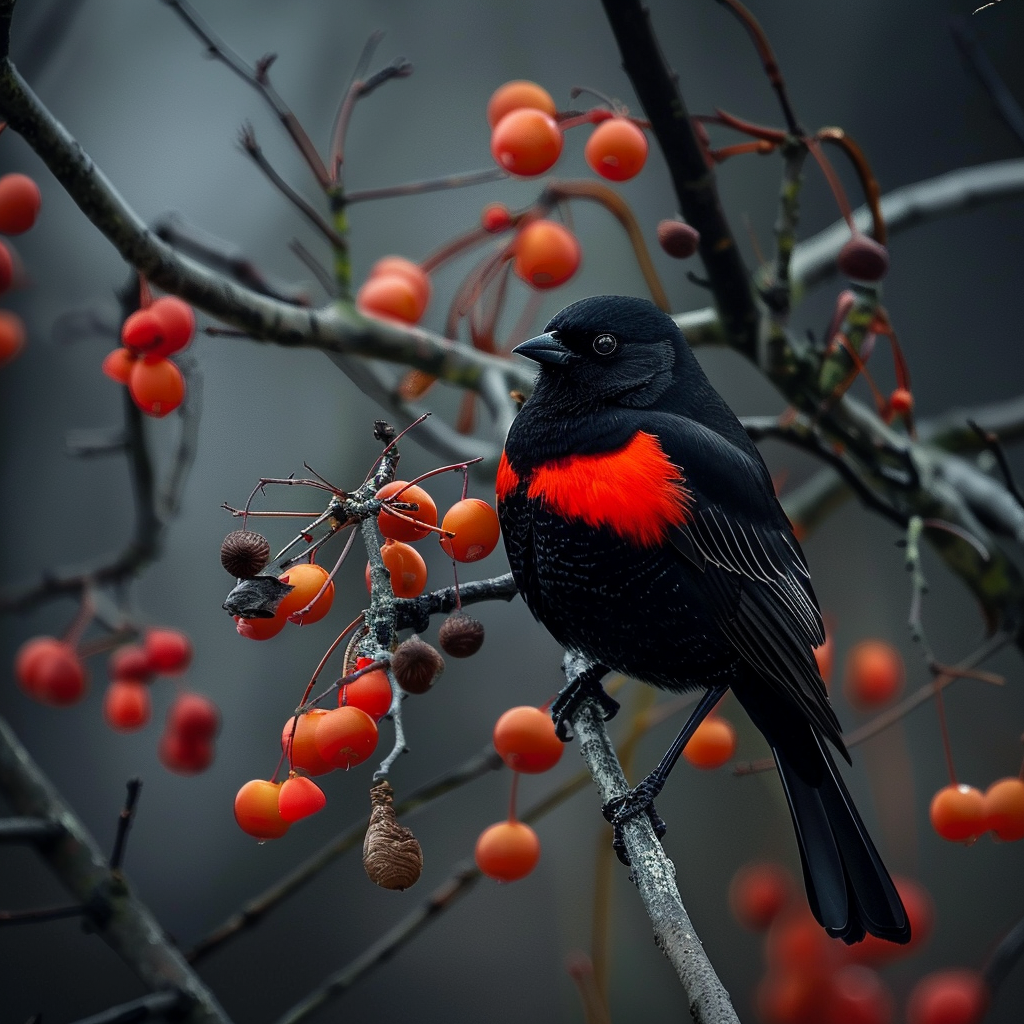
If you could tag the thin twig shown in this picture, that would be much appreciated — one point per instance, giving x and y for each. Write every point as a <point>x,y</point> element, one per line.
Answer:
<point>167,1005</point>
<point>978,62</point>
<point>13,917</point>
<point>124,823</point>
<point>415,188</point>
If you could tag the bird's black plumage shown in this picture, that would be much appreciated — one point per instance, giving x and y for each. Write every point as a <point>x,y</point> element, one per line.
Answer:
<point>643,531</point>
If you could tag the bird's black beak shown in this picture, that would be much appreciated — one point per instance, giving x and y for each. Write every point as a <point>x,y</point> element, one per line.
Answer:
<point>544,349</point>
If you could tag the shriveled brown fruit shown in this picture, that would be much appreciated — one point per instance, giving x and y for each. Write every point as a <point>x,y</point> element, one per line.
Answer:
<point>460,635</point>
<point>391,853</point>
<point>244,553</point>
<point>678,239</point>
<point>416,665</point>
<point>863,258</point>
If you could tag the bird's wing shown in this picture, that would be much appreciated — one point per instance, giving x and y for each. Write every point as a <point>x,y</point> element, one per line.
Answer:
<point>754,573</point>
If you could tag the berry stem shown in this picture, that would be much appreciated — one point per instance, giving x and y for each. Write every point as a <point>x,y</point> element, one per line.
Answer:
<point>513,793</point>
<point>85,614</point>
<point>947,747</point>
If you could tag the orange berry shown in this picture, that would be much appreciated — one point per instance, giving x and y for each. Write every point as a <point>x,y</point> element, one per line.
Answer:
<point>177,324</point>
<point>516,95</point>
<point>193,717</point>
<point>547,254</point>
<point>526,740</point>
<point>118,364</point>
<point>392,526</point>
<point>156,388</point>
<point>901,401</point>
<point>299,797</point>
<point>169,651</point>
<point>958,814</point>
<point>257,811</point>
<point>412,272</point>
<point>390,297</point>
<point>406,566</point>
<point>948,997</point>
<point>345,737</point>
<point>259,629</point>
<point>713,743</point>
<point>304,754</point>
<point>307,579</point>
<point>184,756</point>
<point>370,692</point>
<point>126,705</point>
<point>475,525</point>
<point>758,892</point>
<point>12,336</point>
<point>1004,809</point>
<point>20,201</point>
<point>6,268</point>
<point>494,217</point>
<point>507,851</point>
<point>616,149</point>
<point>874,674</point>
<point>526,142</point>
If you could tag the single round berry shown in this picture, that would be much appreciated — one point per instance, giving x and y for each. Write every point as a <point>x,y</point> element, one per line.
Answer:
<point>712,744</point>
<point>6,268</point>
<point>526,142</point>
<point>495,217</point>
<point>948,997</point>
<point>515,96</point>
<point>193,717</point>
<point>156,388</point>
<point>616,149</point>
<point>406,566</point>
<point>308,580</point>
<point>371,692</point>
<point>901,401</point>
<point>460,635</point>
<point>412,272</point>
<point>475,525</point>
<point>874,674</point>
<point>243,553</point>
<point>507,851</point>
<point>345,737</point>
<point>1004,809</point>
<point>20,200</point>
<point>127,705</point>
<point>957,813</point>
<point>390,297</point>
<point>169,651</point>
<point>863,259</point>
<point>678,239</point>
<point>259,629</point>
<point>12,336</point>
<point>184,756</point>
<point>526,740</point>
<point>131,661</point>
<point>796,942</point>
<point>141,332</point>
<point>257,811</point>
<point>546,254</point>
<point>395,525</point>
<point>416,665</point>
<point>758,892</point>
<point>177,324</point>
<point>302,743</point>
<point>118,363</point>
<point>298,798</point>
<point>50,671</point>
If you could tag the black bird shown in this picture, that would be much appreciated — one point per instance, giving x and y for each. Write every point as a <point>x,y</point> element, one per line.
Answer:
<point>643,531</point>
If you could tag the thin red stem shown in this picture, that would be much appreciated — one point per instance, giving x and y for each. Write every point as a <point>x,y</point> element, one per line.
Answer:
<point>512,797</point>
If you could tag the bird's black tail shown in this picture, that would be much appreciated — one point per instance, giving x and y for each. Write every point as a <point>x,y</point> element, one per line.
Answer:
<point>848,888</point>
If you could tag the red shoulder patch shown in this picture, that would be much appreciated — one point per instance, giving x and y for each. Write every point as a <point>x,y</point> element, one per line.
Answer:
<point>636,491</point>
<point>507,480</point>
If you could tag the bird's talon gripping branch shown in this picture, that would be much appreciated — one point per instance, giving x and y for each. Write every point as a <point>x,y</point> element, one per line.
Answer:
<point>617,812</point>
<point>586,686</point>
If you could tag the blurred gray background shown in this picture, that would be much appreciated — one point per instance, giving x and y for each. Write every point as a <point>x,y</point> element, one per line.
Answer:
<point>132,84</point>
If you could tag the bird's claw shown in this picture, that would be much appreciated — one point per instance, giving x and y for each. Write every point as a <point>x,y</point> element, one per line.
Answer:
<point>572,696</point>
<point>626,807</point>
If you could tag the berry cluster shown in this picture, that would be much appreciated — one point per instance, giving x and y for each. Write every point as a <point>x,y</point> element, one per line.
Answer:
<point>20,201</point>
<point>962,814</point>
<point>149,336</point>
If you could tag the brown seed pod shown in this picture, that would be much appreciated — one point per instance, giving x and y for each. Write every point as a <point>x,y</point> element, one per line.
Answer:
<point>391,853</point>
<point>244,553</point>
<point>460,635</point>
<point>416,665</point>
<point>678,238</point>
<point>863,259</point>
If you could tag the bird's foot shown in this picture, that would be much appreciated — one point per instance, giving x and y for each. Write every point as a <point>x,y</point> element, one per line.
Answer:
<point>584,687</point>
<point>639,800</point>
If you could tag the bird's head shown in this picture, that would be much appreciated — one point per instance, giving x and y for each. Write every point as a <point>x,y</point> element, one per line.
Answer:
<point>608,349</point>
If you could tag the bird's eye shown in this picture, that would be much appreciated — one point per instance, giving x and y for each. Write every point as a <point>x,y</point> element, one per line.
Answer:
<point>605,344</point>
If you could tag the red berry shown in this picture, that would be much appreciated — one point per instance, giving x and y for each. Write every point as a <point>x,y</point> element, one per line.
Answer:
<point>507,851</point>
<point>863,259</point>
<point>526,142</point>
<point>475,525</point>
<point>156,388</point>
<point>547,254</point>
<point>193,717</point>
<point>406,566</point>
<point>858,995</point>
<point>411,272</point>
<point>824,656</point>
<point>304,754</point>
<point>118,364</point>
<point>616,149</point>
<point>678,239</point>
<point>526,740</point>
<point>1004,809</point>
<point>958,813</point>
<point>792,996</point>
<point>389,296</point>
<point>51,671</point>
<point>308,580</point>
<point>796,942</point>
<point>259,629</point>
<point>131,661</point>
<point>758,892</point>
<point>6,268</point>
<point>184,756</point>
<point>345,737</point>
<point>177,325</point>
<point>20,201</point>
<point>370,692</point>
<point>392,526</point>
<point>12,336</point>
<point>948,997</point>
<point>257,811</point>
<point>901,401</point>
<point>494,217</point>
<point>515,96</point>
<point>300,797</point>
<point>712,744</point>
<point>874,674</point>
<point>921,915</point>
<point>141,332</point>
<point>126,705</point>
<point>169,651</point>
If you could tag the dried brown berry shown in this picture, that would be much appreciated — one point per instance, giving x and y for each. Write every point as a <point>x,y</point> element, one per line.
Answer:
<point>416,665</point>
<point>244,553</point>
<point>863,259</point>
<point>678,239</point>
<point>460,635</point>
<point>391,853</point>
